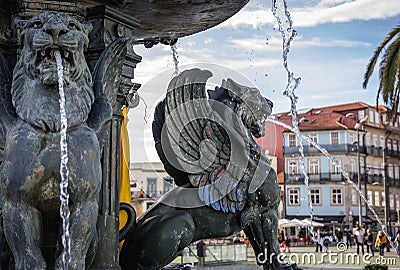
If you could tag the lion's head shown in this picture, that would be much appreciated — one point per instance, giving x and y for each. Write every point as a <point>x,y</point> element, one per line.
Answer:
<point>248,104</point>
<point>35,89</point>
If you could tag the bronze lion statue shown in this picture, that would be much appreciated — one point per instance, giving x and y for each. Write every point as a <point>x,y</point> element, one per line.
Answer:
<point>30,169</point>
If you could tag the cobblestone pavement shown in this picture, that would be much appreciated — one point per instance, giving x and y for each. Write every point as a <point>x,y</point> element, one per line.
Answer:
<point>338,260</point>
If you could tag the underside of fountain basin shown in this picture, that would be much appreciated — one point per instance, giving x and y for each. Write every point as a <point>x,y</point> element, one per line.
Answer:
<point>157,18</point>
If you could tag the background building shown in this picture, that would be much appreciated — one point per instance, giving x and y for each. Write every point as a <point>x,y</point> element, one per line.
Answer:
<point>149,181</point>
<point>374,153</point>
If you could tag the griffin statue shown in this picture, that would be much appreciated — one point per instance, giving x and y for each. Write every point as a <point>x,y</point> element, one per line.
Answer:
<point>225,183</point>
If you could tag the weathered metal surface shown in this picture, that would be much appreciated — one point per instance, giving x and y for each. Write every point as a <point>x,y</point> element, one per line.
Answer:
<point>31,162</point>
<point>225,182</point>
<point>158,18</point>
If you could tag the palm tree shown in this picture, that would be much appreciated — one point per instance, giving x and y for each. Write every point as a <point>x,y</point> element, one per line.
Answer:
<point>389,71</point>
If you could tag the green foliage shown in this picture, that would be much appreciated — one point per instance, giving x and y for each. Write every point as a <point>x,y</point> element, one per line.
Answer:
<point>376,267</point>
<point>389,70</point>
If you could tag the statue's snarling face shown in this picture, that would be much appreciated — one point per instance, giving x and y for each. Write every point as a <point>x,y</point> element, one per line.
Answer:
<point>48,32</point>
<point>253,108</point>
<point>35,81</point>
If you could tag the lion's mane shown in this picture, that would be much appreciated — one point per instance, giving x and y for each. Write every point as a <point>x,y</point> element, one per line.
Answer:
<point>37,103</point>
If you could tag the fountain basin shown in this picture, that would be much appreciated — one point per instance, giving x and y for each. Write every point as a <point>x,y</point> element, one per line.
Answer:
<point>157,18</point>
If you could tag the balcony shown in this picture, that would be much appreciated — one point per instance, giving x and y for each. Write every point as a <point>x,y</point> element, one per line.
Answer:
<point>330,148</point>
<point>327,176</point>
<point>375,151</point>
<point>391,153</point>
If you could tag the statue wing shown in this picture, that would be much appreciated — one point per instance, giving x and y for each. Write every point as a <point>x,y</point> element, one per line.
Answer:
<point>107,78</point>
<point>8,115</point>
<point>202,143</point>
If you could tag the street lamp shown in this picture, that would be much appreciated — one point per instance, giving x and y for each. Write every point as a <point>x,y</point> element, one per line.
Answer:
<point>357,127</point>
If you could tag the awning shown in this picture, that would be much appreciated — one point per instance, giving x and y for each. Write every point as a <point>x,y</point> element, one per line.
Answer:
<point>322,219</point>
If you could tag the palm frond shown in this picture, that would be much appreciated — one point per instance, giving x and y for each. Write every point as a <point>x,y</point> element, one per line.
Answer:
<point>388,70</point>
<point>372,62</point>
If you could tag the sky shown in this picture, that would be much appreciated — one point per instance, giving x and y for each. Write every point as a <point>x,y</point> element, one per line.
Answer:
<point>334,42</point>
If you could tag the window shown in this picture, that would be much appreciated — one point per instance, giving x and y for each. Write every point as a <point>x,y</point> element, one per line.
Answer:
<point>352,137</point>
<point>390,170</point>
<point>367,139</point>
<point>353,168</point>
<point>369,169</point>
<point>389,144</point>
<point>294,196</point>
<point>354,196</point>
<point>314,138</point>
<point>361,114</point>
<point>376,168</point>
<point>168,184</point>
<point>369,196</point>
<point>377,200</point>
<point>382,140</point>
<point>152,186</point>
<point>334,138</point>
<point>383,199</point>
<point>375,140</point>
<point>315,196</point>
<point>293,166</point>
<point>395,146</point>
<point>391,201</point>
<point>398,201</point>
<point>371,116</point>
<point>313,166</point>
<point>396,172</point>
<point>377,120</point>
<point>292,140</point>
<point>336,196</point>
<point>336,165</point>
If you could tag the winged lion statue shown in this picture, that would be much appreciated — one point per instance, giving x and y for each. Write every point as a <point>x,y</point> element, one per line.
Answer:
<point>224,182</point>
<point>30,142</point>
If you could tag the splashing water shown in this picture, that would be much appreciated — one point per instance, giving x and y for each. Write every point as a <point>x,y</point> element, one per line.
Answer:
<point>344,173</point>
<point>282,15</point>
<point>64,196</point>
<point>175,57</point>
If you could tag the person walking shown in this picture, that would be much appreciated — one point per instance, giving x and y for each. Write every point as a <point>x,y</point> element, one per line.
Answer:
<point>370,241</point>
<point>201,252</point>
<point>381,242</point>
<point>348,237</point>
<point>317,240</point>
<point>326,240</point>
<point>359,239</point>
<point>287,244</point>
<point>339,235</point>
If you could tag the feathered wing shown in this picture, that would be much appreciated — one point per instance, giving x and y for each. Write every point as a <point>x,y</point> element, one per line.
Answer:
<point>195,141</point>
<point>106,75</point>
<point>7,111</point>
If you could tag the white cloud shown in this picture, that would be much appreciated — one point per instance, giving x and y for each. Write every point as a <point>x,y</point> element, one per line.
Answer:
<point>208,40</point>
<point>274,43</point>
<point>326,11</point>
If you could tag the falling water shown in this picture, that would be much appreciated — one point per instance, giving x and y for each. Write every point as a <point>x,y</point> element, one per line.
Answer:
<point>344,173</point>
<point>175,57</point>
<point>282,15</point>
<point>64,196</point>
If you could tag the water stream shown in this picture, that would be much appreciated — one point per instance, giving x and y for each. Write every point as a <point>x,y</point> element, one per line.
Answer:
<point>344,173</point>
<point>282,15</point>
<point>175,57</point>
<point>64,196</point>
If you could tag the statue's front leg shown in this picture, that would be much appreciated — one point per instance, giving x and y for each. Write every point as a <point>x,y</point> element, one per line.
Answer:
<point>23,229</point>
<point>84,186</point>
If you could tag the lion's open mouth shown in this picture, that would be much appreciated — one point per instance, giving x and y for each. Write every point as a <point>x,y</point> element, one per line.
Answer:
<point>48,55</point>
<point>47,65</point>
